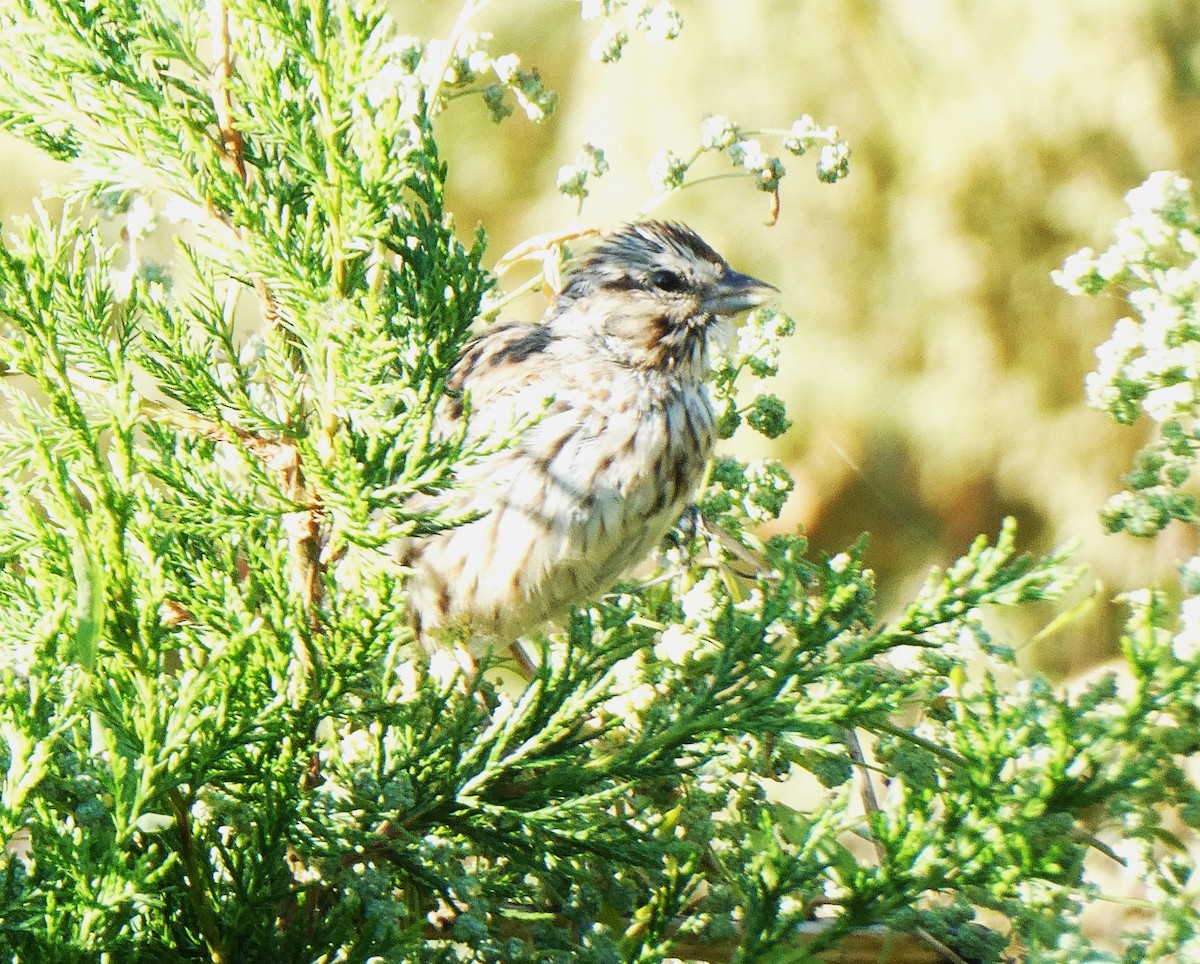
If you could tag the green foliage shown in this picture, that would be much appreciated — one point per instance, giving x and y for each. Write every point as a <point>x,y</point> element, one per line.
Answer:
<point>219,742</point>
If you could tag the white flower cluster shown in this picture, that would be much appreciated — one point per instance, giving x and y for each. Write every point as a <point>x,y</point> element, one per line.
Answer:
<point>720,134</point>
<point>760,340</point>
<point>658,20</point>
<point>1161,215</point>
<point>396,79</point>
<point>702,605</point>
<point>1186,643</point>
<point>526,86</point>
<point>409,69</point>
<point>833,157</point>
<point>140,221</point>
<point>1141,513</point>
<point>766,168</point>
<point>1152,361</point>
<point>668,171</point>
<point>678,644</point>
<point>833,162</point>
<point>590,162</point>
<point>633,695</point>
<point>768,489</point>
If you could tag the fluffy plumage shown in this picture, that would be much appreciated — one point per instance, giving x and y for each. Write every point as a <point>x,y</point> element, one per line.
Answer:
<point>593,484</point>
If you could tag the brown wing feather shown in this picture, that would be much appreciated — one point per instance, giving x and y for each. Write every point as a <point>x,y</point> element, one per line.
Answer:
<point>491,368</point>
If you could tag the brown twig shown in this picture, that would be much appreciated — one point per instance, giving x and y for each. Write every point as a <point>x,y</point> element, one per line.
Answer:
<point>303,527</point>
<point>207,919</point>
<point>232,146</point>
<point>222,73</point>
<point>775,203</point>
<point>304,537</point>
<point>865,787</point>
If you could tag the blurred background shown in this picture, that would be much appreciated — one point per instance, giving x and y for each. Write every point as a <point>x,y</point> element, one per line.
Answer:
<point>935,379</point>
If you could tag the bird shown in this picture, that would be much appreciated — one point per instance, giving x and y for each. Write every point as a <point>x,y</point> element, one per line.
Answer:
<point>614,429</point>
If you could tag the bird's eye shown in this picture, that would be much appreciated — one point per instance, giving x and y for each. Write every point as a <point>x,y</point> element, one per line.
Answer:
<point>667,281</point>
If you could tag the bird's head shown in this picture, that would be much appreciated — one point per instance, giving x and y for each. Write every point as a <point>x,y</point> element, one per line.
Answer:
<point>653,292</point>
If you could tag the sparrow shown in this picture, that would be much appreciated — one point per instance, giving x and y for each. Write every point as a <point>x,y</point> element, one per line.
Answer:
<point>614,429</point>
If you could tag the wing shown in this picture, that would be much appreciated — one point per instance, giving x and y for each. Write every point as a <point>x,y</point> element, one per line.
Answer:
<point>497,373</point>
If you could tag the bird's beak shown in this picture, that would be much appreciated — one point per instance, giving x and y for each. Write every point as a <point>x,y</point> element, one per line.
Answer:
<point>736,292</point>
